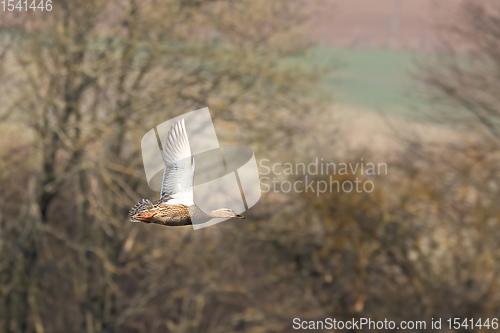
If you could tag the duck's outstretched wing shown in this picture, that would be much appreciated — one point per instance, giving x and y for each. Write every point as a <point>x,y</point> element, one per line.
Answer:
<point>177,185</point>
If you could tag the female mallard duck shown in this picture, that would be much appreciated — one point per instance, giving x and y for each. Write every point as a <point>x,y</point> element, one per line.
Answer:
<point>176,205</point>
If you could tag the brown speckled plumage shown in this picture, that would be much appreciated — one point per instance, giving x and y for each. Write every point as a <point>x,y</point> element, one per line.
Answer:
<point>160,212</point>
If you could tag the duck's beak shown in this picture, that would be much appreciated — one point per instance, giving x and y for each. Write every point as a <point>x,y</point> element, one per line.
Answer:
<point>238,217</point>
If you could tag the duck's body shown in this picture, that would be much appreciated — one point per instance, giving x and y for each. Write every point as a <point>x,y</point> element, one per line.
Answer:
<point>160,212</point>
<point>176,206</point>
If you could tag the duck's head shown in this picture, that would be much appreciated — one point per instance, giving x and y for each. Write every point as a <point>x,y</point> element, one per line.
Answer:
<point>226,212</point>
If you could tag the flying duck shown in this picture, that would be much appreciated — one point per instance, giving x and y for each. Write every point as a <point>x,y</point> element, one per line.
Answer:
<point>176,205</point>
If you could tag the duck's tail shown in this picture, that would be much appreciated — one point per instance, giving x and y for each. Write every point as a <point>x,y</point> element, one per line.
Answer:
<point>139,208</point>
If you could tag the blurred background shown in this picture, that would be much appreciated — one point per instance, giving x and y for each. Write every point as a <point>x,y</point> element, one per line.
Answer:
<point>413,84</point>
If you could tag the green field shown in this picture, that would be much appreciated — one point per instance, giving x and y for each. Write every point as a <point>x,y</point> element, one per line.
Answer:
<point>374,79</point>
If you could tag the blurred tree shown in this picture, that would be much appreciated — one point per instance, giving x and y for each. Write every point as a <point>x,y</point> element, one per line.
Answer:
<point>463,75</point>
<point>86,81</point>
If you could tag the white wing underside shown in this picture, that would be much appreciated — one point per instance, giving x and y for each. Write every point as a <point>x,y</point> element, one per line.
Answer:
<point>179,166</point>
